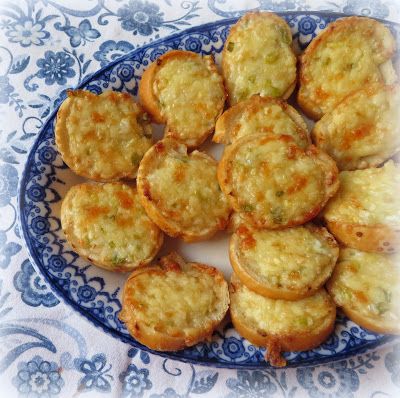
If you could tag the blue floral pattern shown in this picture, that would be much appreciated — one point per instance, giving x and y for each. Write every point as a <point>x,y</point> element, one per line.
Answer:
<point>5,89</point>
<point>140,17</point>
<point>255,384</point>
<point>233,347</point>
<point>96,376</point>
<point>82,34</point>
<point>340,381</point>
<point>55,67</point>
<point>111,50</point>
<point>38,378</point>
<point>367,8</point>
<point>392,363</point>
<point>27,32</point>
<point>7,250</point>
<point>135,381</point>
<point>27,28</point>
<point>8,183</point>
<point>33,290</point>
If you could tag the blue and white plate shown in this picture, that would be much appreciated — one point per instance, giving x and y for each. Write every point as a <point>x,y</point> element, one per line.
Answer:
<point>95,293</point>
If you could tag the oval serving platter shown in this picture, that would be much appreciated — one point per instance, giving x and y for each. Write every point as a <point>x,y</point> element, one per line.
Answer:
<point>96,293</point>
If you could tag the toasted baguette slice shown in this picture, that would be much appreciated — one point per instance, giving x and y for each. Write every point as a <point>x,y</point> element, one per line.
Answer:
<point>274,183</point>
<point>261,115</point>
<point>365,213</point>
<point>185,91</point>
<point>174,304</point>
<point>102,137</point>
<point>363,130</point>
<point>281,325</point>
<point>350,53</point>
<point>367,287</point>
<point>180,191</point>
<point>290,264</point>
<point>258,58</point>
<point>107,225</point>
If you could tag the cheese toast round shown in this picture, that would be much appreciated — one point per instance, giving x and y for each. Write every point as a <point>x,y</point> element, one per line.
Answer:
<point>107,225</point>
<point>274,183</point>
<point>261,115</point>
<point>363,130</point>
<point>366,286</point>
<point>102,137</point>
<point>365,213</point>
<point>288,264</point>
<point>258,58</point>
<point>180,191</point>
<point>281,325</point>
<point>174,304</point>
<point>350,53</point>
<point>185,91</point>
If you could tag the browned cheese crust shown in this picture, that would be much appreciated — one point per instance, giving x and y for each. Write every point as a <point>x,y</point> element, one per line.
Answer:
<point>349,54</point>
<point>174,304</point>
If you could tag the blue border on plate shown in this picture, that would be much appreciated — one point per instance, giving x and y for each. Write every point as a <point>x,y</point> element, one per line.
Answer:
<point>170,355</point>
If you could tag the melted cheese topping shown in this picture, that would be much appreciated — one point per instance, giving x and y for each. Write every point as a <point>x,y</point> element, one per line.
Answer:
<point>281,317</point>
<point>176,302</point>
<point>344,60</point>
<point>367,197</point>
<point>186,189</point>
<point>108,224</point>
<point>275,181</point>
<point>293,258</point>
<point>268,118</point>
<point>258,58</point>
<point>369,284</point>
<point>363,129</point>
<point>105,136</point>
<point>190,94</point>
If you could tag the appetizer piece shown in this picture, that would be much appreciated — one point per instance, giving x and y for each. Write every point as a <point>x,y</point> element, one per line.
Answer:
<point>363,130</point>
<point>185,91</point>
<point>107,225</point>
<point>261,115</point>
<point>180,191</point>
<point>102,137</point>
<point>365,213</point>
<point>274,183</point>
<point>174,304</point>
<point>258,58</point>
<point>366,286</point>
<point>350,53</point>
<point>281,325</point>
<point>289,264</point>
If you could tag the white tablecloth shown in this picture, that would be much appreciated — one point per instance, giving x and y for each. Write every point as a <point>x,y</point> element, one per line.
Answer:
<point>46,348</point>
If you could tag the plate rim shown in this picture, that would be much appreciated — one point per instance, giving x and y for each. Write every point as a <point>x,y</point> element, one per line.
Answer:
<point>89,317</point>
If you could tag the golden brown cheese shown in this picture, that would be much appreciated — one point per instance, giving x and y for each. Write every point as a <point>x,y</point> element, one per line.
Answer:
<point>273,182</point>
<point>263,115</point>
<point>290,264</point>
<point>180,191</point>
<point>106,224</point>
<point>175,304</point>
<point>258,58</point>
<point>350,53</point>
<point>363,130</point>
<point>368,285</point>
<point>281,325</point>
<point>185,91</point>
<point>102,137</point>
<point>367,197</point>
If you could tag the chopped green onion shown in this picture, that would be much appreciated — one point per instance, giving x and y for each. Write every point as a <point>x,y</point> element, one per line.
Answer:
<point>247,207</point>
